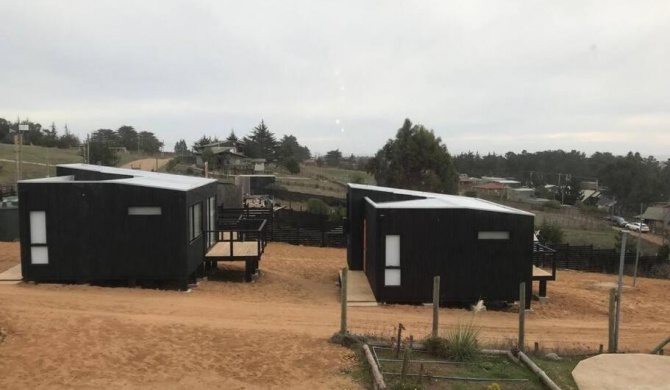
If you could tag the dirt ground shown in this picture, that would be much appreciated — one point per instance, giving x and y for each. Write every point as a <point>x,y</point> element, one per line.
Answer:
<point>271,334</point>
<point>147,164</point>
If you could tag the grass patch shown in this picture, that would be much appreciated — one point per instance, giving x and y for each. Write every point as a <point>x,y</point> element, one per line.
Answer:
<point>426,369</point>
<point>34,154</point>
<point>560,371</point>
<point>604,239</point>
<point>336,174</point>
<point>492,371</point>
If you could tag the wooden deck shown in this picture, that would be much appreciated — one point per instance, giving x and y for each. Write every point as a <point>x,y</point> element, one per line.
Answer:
<point>241,249</point>
<point>539,273</point>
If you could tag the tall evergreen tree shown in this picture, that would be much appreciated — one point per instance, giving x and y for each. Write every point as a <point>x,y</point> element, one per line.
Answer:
<point>261,143</point>
<point>415,160</point>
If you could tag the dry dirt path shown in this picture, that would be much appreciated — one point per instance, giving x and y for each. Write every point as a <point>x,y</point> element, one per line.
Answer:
<point>271,334</point>
<point>147,164</point>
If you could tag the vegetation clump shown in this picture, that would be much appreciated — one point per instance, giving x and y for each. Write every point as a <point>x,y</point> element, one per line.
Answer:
<point>461,344</point>
<point>550,233</point>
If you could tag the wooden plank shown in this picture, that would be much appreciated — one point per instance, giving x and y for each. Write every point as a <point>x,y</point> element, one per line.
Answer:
<point>240,249</point>
<point>540,273</point>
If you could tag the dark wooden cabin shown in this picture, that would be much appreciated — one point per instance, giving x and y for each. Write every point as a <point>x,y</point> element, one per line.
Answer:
<point>100,223</point>
<point>401,239</point>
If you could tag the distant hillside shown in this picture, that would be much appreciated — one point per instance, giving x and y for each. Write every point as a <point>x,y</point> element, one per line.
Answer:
<point>35,161</point>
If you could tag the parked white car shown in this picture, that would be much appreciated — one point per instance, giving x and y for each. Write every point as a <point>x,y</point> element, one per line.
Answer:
<point>637,227</point>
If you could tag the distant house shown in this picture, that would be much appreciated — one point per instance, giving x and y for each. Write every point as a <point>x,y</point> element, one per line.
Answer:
<point>466,183</point>
<point>95,223</point>
<point>657,216</point>
<point>230,158</point>
<point>489,190</point>
<point>520,194</point>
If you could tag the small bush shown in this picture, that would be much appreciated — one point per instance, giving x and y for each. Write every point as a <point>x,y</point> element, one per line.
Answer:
<point>464,343</point>
<point>552,204</point>
<point>356,178</point>
<point>406,385</point>
<point>550,233</point>
<point>292,165</point>
<point>437,346</point>
<point>461,344</point>
<point>470,193</point>
<point>317,206</point>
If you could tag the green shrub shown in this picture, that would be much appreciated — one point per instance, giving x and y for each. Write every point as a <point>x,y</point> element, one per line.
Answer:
<point>292,165</point>
<point>356,178</point>
<point>461,344</point>
<point>470,193</point>
<point>317,206</point>
<point>550,233</point>
<point>437,346</point>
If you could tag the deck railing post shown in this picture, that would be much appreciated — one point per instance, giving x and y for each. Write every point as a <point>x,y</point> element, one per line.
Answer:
<point>436,304</point>
<point>522,316</point>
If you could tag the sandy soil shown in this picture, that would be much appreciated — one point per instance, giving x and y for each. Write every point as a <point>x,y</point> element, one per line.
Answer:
<point>9,255</point>
<point>271,334</point>
<point>147,164</point>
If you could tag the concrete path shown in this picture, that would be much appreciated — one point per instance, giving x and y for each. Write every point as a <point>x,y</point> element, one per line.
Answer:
<point>633,371</point>
<point>12,275</point>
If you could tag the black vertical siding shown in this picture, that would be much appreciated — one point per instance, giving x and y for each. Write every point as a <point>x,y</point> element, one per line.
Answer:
<point>355,214</point>
<point>90,235</point>
<point>444,242</point>
<point>372,248</point>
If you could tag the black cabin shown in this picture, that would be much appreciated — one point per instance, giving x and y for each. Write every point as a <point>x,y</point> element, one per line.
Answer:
<point>95,223</point>
<point>401,239</point>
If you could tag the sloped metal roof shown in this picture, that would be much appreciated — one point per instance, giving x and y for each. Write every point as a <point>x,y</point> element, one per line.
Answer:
<point>139,178</point>
<point>433,200</point>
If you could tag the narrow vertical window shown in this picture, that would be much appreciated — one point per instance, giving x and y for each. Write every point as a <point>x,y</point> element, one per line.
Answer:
<point>38,227</point>
<point>392,274</point>
<point>195,221</point>
<point>211,219</point>
<point>39,251</point>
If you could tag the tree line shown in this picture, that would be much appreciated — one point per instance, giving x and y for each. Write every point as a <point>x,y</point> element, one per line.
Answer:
<point>631,179</point>
<point>38,135</point>
<point>104,144</point>
<point>259,143</point>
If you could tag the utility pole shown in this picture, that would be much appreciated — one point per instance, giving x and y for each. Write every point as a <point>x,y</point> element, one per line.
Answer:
<point>637,252</point>
<point>559,187</point>
<point>18,141</point>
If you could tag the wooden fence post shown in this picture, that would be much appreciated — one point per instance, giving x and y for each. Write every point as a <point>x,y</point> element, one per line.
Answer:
<point>522,315</point>
<point>343,287</point>
<point>611,347</point>
<point>436,304</point>
<point>617,318</point>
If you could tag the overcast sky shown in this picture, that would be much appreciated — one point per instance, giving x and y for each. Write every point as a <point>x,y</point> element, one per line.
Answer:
<point>487,76</point>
